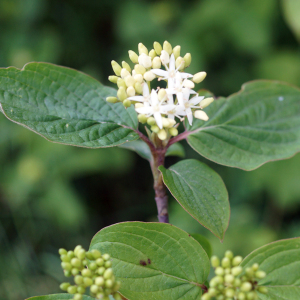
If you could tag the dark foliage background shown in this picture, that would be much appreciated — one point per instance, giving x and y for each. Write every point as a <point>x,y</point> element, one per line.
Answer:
<point>55,196</point>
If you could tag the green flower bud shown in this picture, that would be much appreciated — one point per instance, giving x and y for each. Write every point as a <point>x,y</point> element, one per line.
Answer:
<point>71,254</point>
<point>129,81</point>
<point>94,289</point>
<point>107,291</point>
<point>77,248</point>
<point>229,254</point>
<point>121,82</point>
<point>138,88</point>
<point>173,131</point>
<point>93,266</point>
<point>117,296</point>
<point>101,270</point>
<point>139,69</point>
<point>112,99</point>
<point>81,253</point>
<point>149,76</point>
<point>229,279</point>
<point>227,271</point>
<point>72,289</point>
<point>241,296</point>
<point>109,283</point>
<point>75,262</point>
<point>87,281</point>
<point>246,287</point>
<point>86,273</point>
<point>219,271</point>
<point>133,56</point>
<point>100,296</point>
<point>89,256</point>
<point>66,266</point>
<point>122,96</point>
<point>180,63</point>
<point>151,121</point>
<point>130,91</point>
<point>162,134</point>
<point>117,285</point>
<point>237,282</point>
<point>225,262</point>
<point>78,279</point>
<point>176,51</point>
<point>67,273</point>
<point>126,66</point>
<point>213,282</point>
<point>108,264</point>
<point>167,47</point>
<point>199,77</point>
<point>127,103</point>
<point>113,78</point>
<point>229,293</point>
<point>215,261</point>
<point>255,267</point>
<point>262,289</point>
<point>212,292</point>
<point>64,286</point>
<point>157,47</point>
<point>62,251</point>
<point>142,118</point>
<point>116,67</point>
<point>156,63</point>
<point>249,272</point>
<point>260,274</point>
<point>205,297</point>
<point>238,259</point>
<point>81,290</point>
<point>108,273</point>
<point>142,49</point>
<point>152,53</point>
<point>106,297</point>
<point>187,59</point>
<point>65,258</point>
<point>78,297</point>
<point>99,281</point>
<point>201,115</point>
<point>236,271</point>
<point>75,271</point>
<point>220,297</point>
<point>251,296</point>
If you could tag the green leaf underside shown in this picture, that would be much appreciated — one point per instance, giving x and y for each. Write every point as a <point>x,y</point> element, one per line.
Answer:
<point>142,149</point>
<point>204,242</point>
<point>261,123</point>
<point>281,261</point>
<point>154,260</point>
<point>201,192</point>
<point>58,297</point>
<point>65,106</point>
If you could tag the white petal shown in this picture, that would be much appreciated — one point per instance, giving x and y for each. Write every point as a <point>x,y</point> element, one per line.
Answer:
<point>144,110</point>
<point>160,72</point>
<point>154,98</point>
<point>189,115</point>
<point>196,100</point>
<point>185,75</point>
<point>137,98</point>
<point>172,63</point>
<point>180,98</point>
<point>145,89</point>
<point>170,99</point>
<point>158,119</point>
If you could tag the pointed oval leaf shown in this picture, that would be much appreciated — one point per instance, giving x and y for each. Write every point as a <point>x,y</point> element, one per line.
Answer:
<point>154,261</point>
<point>65,106</point>
<point>58,297</point>
<point>281,261</point>
<point>204,242</point>
<point>259,124</point>
<point>201,192</point>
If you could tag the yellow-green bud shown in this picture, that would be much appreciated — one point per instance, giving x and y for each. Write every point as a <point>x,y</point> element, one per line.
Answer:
<point>75,271</point>
<point>199,77</point>
<point>129,81</point>
<point>78,279</point>
<point>188,84</point>
<point>112,99</point>
<point>167,47</point>
<point>249,272</point>
<point>101,296</point>
<point>237,282</point>
<point>238,259</point>
<point>176,51</point>
<point>219,271</point>
<point>142,49</point>
<point>157,47</point>
<point>139,69</point>
<point>229,254</point>
<point>101,271</point>
<point>89,255</point>
<point>225,260</point>
<point>85,262</point>
<point>251,296</point>
<point>142,118</point>
<point>72,289</point>
<point>78,297</point>
<point>165,122</point>
<point>100,262</point>
<point>109,283</point>
<point>155,128</point>
<point>93,266</point>
<point>152,53</point>
<point>133,56</point>
<point>162,134</point>
<point>67,273</point>
<point>87,281</point>
<point>173,131</point>
<point>76,262</point>
<point>94,288</point>
<point>215,261</point>
<point>117,285</point>
<point>66,266</point>
<point>106,297</point>
<point>62,251</point>
<point>113,78</point>
<point>130,91</point>
<point>138,88</point>
<point>161,94</point>
<point>180,63</point>
<point>151,121</point>
<point>149,76</point>
<point>64,286</point>
<point>126,66</point>
<point>227,270</point>
<point>164,57</point>
<point>212,292</point>
<point>229,278</point>
<point>81,289</point>
<point>71,254</point>
<point>108,264</point>
<point>246,287</point>
<point>229,293</point>
<point>262,289</point>
<point>241,296</point>
<point>99,281</point>
<point>205,297</point>
<point>117,296</point>
<point>81,253</point>
<point>221,297</point>
<point>116,67</point>
<point>106,256</point>
<point>138,78</point>
<point>108,273</point>
<point>124,73</point>
<point>260,274</point>
<point>127,103</point>
<point>121,95</point>
<point>156,63</point>
<point>121,82</point>
<point>187,59</point>
<point>200,114</point>
<point>236,271</point>
<point>255,267</point>
<point>78,247</point>
<point>65,258</point>
<point>86,273</point>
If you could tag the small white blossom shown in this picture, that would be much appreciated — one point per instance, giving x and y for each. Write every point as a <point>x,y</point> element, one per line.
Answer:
<point>146,95</point>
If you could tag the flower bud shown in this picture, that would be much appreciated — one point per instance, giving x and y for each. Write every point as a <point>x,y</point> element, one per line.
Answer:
<point>109,283</point>
<point>113,78</point>
<point>241,296</point>
<point>86,273</point>
<point>138,88</point>
<point>145,60</point>
<point>94,288</point>
<point>236,271</point>
<point>116,67</point>
<point>187,59</point>
<point>260,274</point>
<point>164,57</point>
<point>65,258</point>
<point>225,260</point>
<point>129,81</point>
<point>62,251</point>
<point>117,296</point>
<point>173,131</point>
<point>180,63</point>
<point>251,296</point>
<point>71,254</point>
<point>75,271</point>
<point>161,94</point>
<point>101,271</point>
<point>156,63</point>
<point>81,289</point>
<point>249,272</point>
<point>237,282</point>
<point>199,77</point>
<point>188,84</point>
<point>176,51</point>
<point>229,278</point>
<point>246,287</point>
<point>64,286</point>
<point>151,121</point>
<point>112,99</point>
<point>149,76</point>
<point>72,289</point>
<point>100,262</point>
<point>152,53</point>
<point>142,49</point>
<point>200,114</point>
<point>138,78</point>
<point>133,56</point>
<point>139,69</point>
<point>108,273</point>
<point>262,289</point>
<point>124,73</point>
<point>167,47</point>
<point>78,279</point>
<point>142,118</point>
<point>215,261</point>
<point>126,66</point>
<point>238,259</point>
<point>165,122</point>
<point>157,47</point>
<point>122,96</point>
<point>255,267</point>
<point>230,293</point>
<point>99,281</point>
<point>89,255</point>
<point>75,262</point>
<point>108,264</point>
<point>81,252</point>
<point>212,292</point>
<point>87,281</point>
<point>219,271</point>
<point>155,128</point>
<point>66,266</point>
<point>162,134</point>
<point>130,91</point>
<point>127,103</point>
<point>205,297</point>
<point>229,254</point>
<point>67,273</point>
<point>106,256</point>
<point>77,297</point>
<point>121,82</point>
<point>93,266</point>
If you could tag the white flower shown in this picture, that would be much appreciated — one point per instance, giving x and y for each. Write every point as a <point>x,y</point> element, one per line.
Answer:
<point>155,108</point>
<point>171,73</point>
<point>146,95</point>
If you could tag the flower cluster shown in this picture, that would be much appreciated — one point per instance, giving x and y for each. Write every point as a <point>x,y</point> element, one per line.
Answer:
<point>232,282</point>
<point>159,107</point>
<point>90,270</point>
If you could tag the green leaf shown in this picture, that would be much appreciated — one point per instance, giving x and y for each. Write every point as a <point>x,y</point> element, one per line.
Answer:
<point>154,261</point>
<point>201,192</point>
<point>291,10</point>
<point>259,124</point>
<point>65,106</point>
<point>204,242</point>
<point>58,297</point>
<point>281,261</point>
<point>142,149</point>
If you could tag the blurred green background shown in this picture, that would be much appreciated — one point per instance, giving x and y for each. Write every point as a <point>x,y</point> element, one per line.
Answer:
<point>55,196</point>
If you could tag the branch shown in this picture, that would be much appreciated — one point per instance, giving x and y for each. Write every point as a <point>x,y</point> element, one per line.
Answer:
<point>179,137</point>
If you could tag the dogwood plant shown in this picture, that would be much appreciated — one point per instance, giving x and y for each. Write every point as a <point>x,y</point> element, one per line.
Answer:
<point>157,105</point>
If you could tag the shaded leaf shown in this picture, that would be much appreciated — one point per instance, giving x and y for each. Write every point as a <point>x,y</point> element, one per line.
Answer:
<point>64,296</point>
<point>291,10</point>
<point>176,150</point>
<point>204,242</point>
